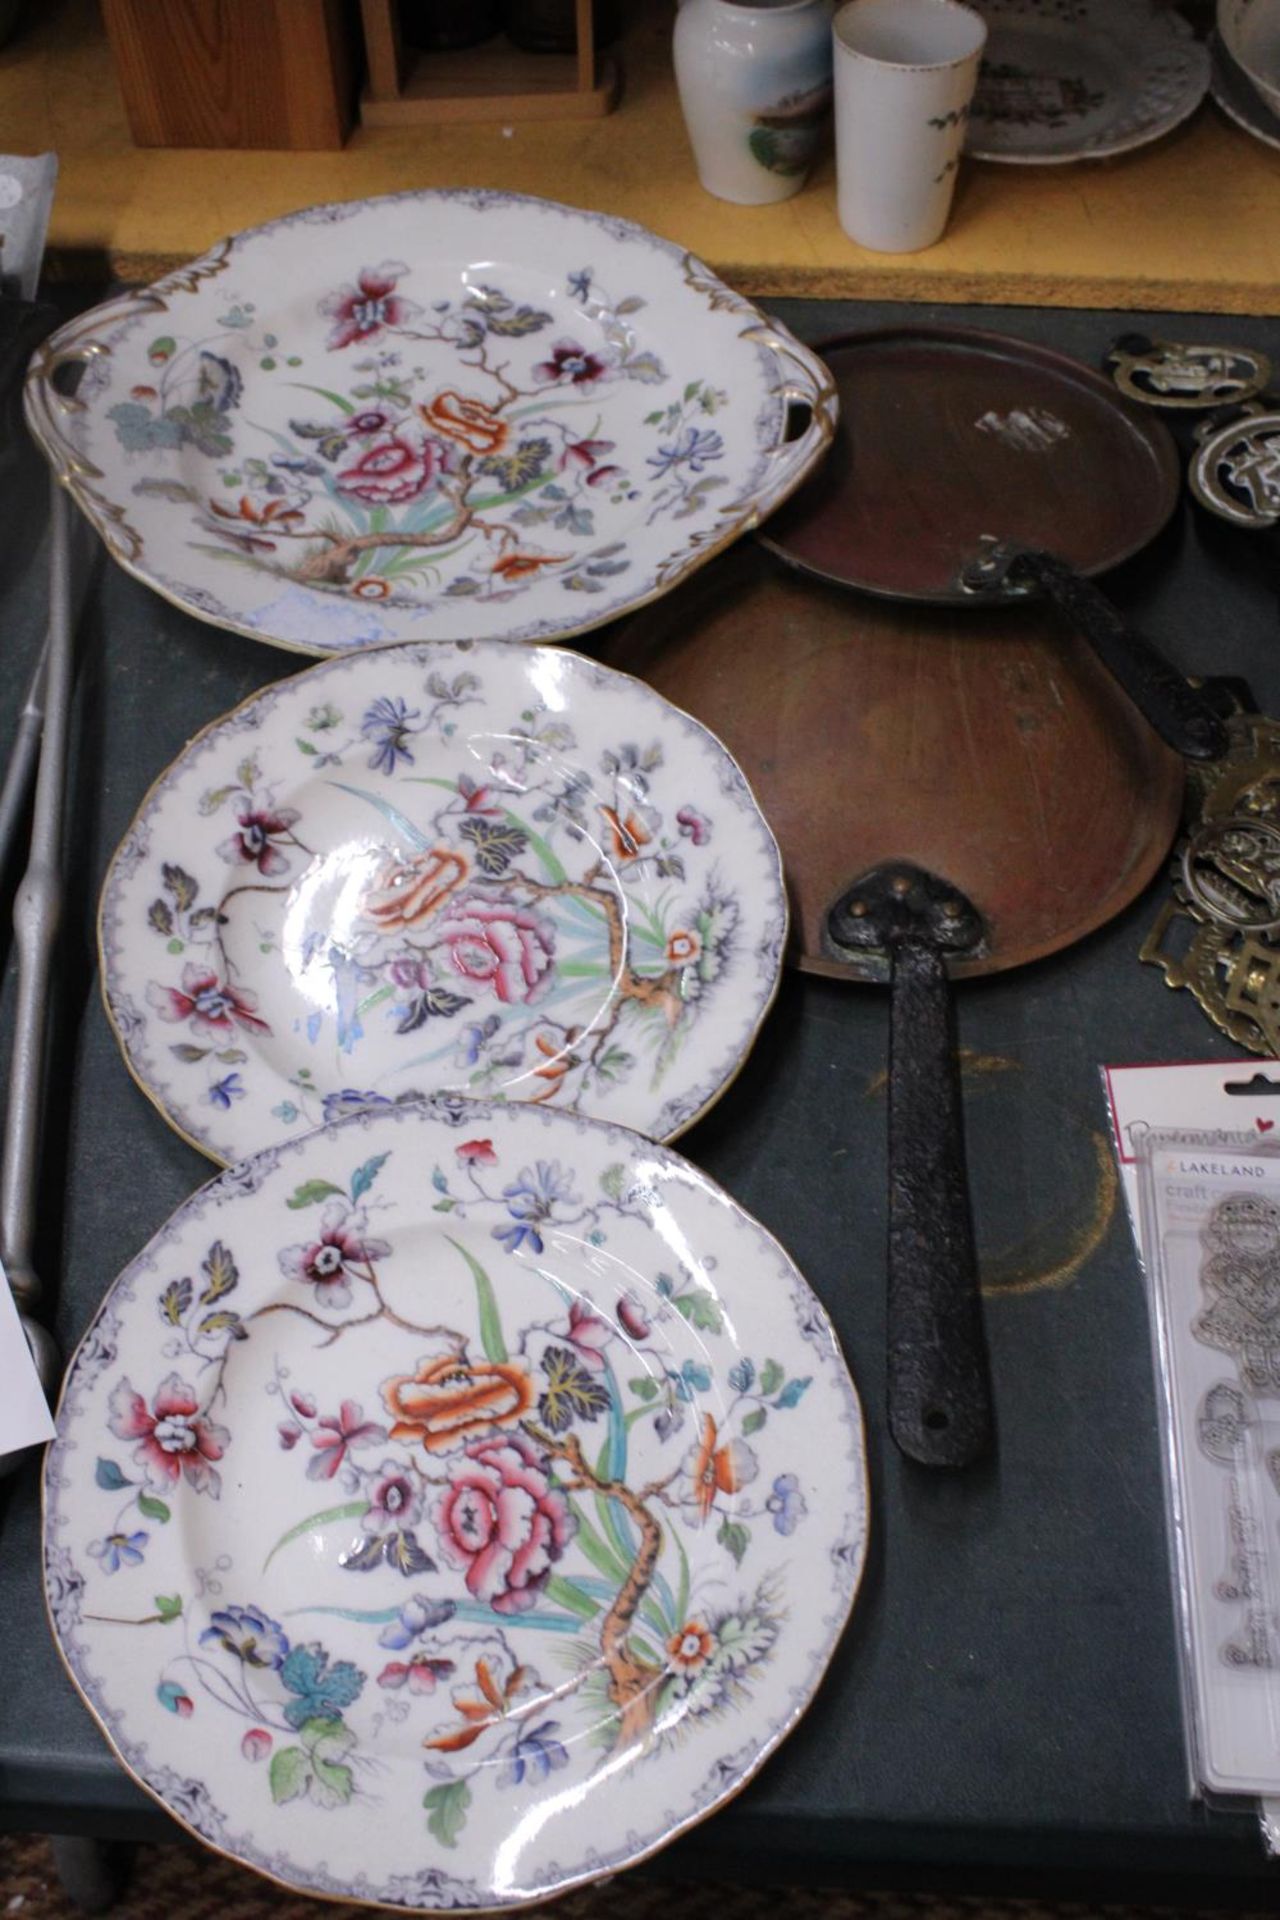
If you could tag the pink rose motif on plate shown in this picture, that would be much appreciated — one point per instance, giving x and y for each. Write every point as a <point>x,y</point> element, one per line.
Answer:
<point>213,1008</point>
<point>501,1523</point>
<point>589,1334</point>
<point>328,1263</point>
<point>573,363</point>
<point>508,948</point>
<point>395,467</point>
<point>257,828</point>
<point>176,1438</point>
<point>362,310</point>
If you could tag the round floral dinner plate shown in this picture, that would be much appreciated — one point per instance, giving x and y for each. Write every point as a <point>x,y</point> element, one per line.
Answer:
<point>468,866</point>
<point>453,1505</point>
<point>433,415</point>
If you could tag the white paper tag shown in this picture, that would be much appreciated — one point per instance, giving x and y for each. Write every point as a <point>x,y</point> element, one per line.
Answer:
<point>25,1418</point>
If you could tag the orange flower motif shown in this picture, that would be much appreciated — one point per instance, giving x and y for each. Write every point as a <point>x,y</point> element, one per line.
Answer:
<point>449,1401</point>
<point>493,1704</point>
<point>714,1470</point>
<point>558,1064</point>
<point>692,1647</point>
<point>683,948</point>
<point>407,892</point>
<point>468,421</point>
<point>275,513</point>
<point>628,835</point>
<point>517,566</point>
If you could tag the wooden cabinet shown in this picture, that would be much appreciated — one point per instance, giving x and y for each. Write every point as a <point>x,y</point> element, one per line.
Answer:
<point>234,73</point>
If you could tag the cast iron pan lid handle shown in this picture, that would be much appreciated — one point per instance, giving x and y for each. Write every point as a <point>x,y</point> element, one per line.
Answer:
<point>931,832</point>
<point>1179,712</point>
<point>971,467</point>
<point>939,1393</point>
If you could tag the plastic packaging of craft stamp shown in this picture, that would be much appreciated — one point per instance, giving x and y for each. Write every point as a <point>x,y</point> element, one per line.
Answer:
<point>1211,1230</point>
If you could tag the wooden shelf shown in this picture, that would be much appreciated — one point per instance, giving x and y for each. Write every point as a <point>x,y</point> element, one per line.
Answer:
<point>1188,223</point>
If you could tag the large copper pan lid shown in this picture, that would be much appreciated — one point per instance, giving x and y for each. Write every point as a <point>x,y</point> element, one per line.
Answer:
<point>987,747</point>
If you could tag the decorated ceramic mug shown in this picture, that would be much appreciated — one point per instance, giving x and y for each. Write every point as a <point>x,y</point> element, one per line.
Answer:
<point>905,72</point>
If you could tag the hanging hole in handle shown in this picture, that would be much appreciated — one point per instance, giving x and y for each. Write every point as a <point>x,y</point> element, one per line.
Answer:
<point>798,421</point>
<point>65,376</point>
<point>936,1420</point>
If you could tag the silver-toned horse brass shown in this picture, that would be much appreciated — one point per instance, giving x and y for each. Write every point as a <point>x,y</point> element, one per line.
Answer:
<point>1183,374</point>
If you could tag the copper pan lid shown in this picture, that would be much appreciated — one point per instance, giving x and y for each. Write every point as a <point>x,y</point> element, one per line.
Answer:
<point>986,746</point>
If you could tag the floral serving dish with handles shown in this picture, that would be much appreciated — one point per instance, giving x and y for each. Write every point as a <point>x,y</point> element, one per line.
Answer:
<point>432,415</point>
<point>452,1506</point>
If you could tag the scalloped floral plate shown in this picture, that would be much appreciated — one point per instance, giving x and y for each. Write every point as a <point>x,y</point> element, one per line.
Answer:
<point>467,866</point>
<point>433,415</point>
<point>452,1506</point>
<point>1066,80</point>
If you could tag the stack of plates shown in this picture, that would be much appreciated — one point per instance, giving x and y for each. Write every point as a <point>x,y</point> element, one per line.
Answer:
<point>461,1495</point>
<point>1082,80</point>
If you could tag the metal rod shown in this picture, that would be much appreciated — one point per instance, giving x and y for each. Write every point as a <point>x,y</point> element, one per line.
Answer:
<point>37,912</point>
<point>25,752</point>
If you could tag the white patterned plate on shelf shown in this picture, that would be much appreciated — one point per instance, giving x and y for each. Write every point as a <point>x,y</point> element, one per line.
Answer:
<point>1081,79</point>
<point>431,416</point>
<point>469,867</point>
<point>1239,100</point>
<point>454,1505</point>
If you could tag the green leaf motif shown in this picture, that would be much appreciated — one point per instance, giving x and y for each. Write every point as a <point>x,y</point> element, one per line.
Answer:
<point>644,1388</point>
<point>331,1784</point>
<point>447,1807</point>
<point>701,1309</point>
<point>176,491</point>
<point>221,1271</point>
<point>571,1392</point>
<point>203,426</point>
<point>491,1335</point>
<point>222,1322</point>
<point>363,1177</point>
<point>523,320</point>
<point>645,367</point>
<point>793,1392</point>
<point>519,467</point>
<point>515,470</point>
<point>169,1606</point>
<point>613,1181</point>
<point>309,1192</point>
<point>755,1420</point>
<point>290,1773</point>
<point>108,1476</point>
<point>211,801</point>
<point>735,1537</point>
<point>174,1302</point>
<point>184,1051</point>
<point>160,917</point>
<point>140,431</point>
<point>496,843</point>
<point>178,882</point>
<point>153,1509</point>
<point>350,1510</point>
<point>771,1378</point>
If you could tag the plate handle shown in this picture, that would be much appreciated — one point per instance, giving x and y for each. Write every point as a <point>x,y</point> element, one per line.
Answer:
<point>52,405</point>
<point>804,382</point>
